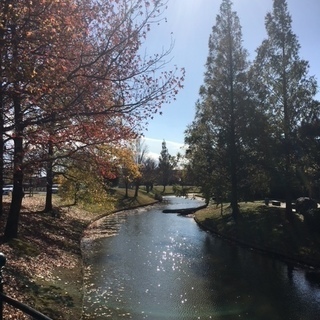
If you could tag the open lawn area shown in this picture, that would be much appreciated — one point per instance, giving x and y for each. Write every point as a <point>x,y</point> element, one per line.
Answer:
<point>170,190</point>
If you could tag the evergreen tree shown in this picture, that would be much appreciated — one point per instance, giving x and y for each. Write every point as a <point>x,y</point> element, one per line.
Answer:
<point>165,165</point>
<point>224,98</point>
<point>286,91</point>
<point>205,158</point>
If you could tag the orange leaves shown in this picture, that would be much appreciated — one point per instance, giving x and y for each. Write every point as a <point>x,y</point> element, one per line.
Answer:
<point>81,78</point>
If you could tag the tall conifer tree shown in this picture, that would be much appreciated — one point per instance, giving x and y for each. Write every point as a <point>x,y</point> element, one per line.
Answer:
<point>224,95</point>
<point>286,89</point>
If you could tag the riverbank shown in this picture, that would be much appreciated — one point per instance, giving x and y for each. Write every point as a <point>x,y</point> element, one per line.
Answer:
<point>44,265</point>
<point>266,229</point>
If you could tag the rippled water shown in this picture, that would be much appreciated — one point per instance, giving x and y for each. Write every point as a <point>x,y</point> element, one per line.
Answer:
<point>151,265</point>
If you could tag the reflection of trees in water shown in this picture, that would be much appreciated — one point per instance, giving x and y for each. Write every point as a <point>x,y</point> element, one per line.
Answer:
<point>247,283</point>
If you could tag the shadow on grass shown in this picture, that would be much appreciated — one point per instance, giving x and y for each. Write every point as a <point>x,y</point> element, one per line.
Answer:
<point>267,229</point>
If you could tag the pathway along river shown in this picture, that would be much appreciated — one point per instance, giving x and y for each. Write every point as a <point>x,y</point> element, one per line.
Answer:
<point>145,264</point>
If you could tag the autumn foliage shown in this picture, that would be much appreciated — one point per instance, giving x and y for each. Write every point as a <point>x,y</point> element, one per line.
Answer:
<point>74,78</point>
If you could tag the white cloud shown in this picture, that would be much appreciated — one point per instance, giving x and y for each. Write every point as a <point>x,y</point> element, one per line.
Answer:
<point>154,156</point>
<point>155,145</point>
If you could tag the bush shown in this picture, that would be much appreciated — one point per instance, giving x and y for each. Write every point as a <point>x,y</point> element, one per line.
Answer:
<point>305,204</point>
<point>312,219</point>
<point>158,197</point>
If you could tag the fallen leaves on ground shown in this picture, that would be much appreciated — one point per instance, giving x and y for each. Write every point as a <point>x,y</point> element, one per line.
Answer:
<point>45,244</point>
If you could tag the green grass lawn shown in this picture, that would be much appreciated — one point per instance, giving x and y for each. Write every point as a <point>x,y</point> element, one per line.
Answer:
<point>170,189</point>
<point>265,228</point>
<point>131,202</point>
<point>158,189</point>
<point>117,200</point>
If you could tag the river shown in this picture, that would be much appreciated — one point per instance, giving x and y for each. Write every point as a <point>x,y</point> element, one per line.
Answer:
<point>144,264</point>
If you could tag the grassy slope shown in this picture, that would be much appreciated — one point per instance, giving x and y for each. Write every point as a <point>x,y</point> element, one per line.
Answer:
<point>265,228</point>
<point>44,267</point>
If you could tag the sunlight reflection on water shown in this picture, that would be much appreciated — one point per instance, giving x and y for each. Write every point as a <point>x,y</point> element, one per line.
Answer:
<point>162,266</point>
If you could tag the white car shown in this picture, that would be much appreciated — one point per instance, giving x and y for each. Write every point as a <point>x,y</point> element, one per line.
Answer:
<point>7,189</point>
<point>55,188</point>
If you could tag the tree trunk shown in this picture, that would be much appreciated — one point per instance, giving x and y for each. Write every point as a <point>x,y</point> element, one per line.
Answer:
<point>287,139</point>
<point>136,192</point>
<point>11,230</point>
<point>48,206</point>
<point>289,214</point>
<point>233,170</point>
<point>127,186</point>
<point>232,142</point>
<point>2,62</point>
<point>234,178</point>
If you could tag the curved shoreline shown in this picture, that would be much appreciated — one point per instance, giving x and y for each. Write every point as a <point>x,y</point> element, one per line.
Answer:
<point>292,260</point>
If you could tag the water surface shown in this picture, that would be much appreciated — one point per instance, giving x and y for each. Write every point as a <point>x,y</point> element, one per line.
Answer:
<point>151,265</point>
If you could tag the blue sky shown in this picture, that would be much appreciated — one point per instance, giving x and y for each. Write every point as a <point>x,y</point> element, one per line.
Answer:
<point>190,22</point>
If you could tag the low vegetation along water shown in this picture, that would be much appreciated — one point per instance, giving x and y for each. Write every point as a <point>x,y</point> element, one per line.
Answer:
<point>145,264</point>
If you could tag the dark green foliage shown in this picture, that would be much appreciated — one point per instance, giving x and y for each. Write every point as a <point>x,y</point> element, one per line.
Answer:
<point>285,92</point>
<point>309,151</point>
<point>305,204</point>
<point>256,130</point>
<point>312,219</point>
<point>227,127</point>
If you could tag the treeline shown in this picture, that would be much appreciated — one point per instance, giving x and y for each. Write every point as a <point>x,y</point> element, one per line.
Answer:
<point>165,171</point>
<point>257,127</point>
<point>75,88</point>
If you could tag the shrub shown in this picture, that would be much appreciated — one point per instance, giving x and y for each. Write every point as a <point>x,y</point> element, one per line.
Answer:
<point>312,219</point>
<point>158,197</point>
<point>305,204</point>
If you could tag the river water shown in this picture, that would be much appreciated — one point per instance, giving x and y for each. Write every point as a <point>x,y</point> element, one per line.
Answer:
<point>144,264</point>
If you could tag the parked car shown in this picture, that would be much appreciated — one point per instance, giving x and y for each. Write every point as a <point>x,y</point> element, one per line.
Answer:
<point>7,189</point>
<point>55,188</point>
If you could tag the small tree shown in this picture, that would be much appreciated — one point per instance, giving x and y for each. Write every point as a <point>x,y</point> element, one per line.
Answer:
<point>165,166</point>
<point>149,173</point>
<point>140,155</point>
